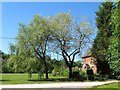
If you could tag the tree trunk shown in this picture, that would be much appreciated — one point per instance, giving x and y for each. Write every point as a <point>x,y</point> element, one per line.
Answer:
<point>46,70</point>
<point>70,72</point>
<point>30,75</point>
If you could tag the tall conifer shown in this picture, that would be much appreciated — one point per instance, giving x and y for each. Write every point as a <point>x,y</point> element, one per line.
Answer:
<point>101,42</point>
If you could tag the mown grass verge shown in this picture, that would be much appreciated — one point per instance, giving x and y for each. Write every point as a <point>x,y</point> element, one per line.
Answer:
<point>22,78</point>
<point>110,86</point>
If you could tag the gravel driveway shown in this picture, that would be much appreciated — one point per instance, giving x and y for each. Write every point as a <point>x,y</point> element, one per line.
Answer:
<point>59,85</point>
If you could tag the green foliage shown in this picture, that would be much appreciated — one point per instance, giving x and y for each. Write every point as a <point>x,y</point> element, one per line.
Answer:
<point>102,41</point>
<point>70,36</point>
<point>3,61</point>
<point>113,51</point>
<point>83,76</point>
<point>66,72</point>
<point>76,75</point>
<point>118,77</point>
<point>58,71</point>
<point>31,64</point>
<point>54,72</point>
<point>96,76</point>
<point>76,68</point>
<point>82,72</point>
<point>100,77</point>
<point>33,40</point>
<point>103,77</point>
<point>49,64</point>
<point>78,63</point>
<point>11,63</point>
<point>61,34</point>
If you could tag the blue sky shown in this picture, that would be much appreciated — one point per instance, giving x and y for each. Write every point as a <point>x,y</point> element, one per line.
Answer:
<point>23,12</point>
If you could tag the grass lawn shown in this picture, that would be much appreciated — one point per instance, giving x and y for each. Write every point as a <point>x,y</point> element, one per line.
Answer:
<point>23,78</point>
<point>111,85</point>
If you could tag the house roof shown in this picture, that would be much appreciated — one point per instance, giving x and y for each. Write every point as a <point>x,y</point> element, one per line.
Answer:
<point>1,52</point>
<point>87,54</point>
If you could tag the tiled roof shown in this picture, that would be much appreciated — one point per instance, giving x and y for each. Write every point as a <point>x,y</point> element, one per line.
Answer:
<point>1,52</point>
<point>87,54</point>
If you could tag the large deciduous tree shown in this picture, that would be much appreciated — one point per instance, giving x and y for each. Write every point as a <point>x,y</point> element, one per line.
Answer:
<point>101,42</point>
<point>67,36</point>
<point>70,36</point>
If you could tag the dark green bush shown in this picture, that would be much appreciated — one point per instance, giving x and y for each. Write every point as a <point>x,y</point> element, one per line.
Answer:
<point>82,73</point>
<point>83,76</point>
<point>76,75</point>
<point>118,77</point>
<point>96,76</point>
<point>66,72</point>
<point>100,77</point>
<point>103,77</point>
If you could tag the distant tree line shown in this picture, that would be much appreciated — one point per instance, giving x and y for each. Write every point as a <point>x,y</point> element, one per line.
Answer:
<point>32,65</point>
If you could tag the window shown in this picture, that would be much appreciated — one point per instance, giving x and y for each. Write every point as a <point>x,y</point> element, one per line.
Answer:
<point>92,67</point>
<point>92,59</point>
<point>84,66</point>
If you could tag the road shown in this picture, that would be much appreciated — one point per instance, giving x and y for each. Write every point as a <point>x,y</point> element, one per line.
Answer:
<point>59,85</point>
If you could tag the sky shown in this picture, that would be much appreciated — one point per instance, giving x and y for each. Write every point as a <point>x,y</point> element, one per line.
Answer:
<point>14,13</point>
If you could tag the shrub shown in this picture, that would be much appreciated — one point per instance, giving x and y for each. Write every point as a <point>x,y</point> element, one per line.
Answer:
<point>83,76</point>
<point>66,72</point>
<point>100,77</point>
<point>82,72</point>
<point>56,71</point>
<point>118,77</point>
<point>53,72</point>
<point>76,75</point>
<point>96,76</point>
<point>103,77</point>
<point>76,69</point>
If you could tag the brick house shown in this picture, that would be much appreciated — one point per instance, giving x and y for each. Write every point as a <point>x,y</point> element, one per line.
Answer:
<point>89,61</point>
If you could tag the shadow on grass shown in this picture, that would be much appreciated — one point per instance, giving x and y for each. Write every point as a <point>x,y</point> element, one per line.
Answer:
<point>4,80</point>
<point>55,79</point>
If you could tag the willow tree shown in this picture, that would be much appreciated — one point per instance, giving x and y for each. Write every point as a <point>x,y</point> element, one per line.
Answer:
<point>70,36</point>
<point>33,39</point>
<point>21,60</point>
